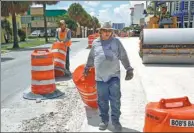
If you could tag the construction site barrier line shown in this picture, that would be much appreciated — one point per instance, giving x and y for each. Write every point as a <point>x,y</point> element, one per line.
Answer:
<point>87,94</point>
<point>42,68</point>
<point>58,50</point>
<point>59,60</point>
<point>43,82</point>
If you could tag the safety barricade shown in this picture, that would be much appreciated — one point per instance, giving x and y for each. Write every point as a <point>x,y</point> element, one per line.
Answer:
<point>42,72</point>
<point>59,50</point>
<point>170,115</point>
<point>86,86</point>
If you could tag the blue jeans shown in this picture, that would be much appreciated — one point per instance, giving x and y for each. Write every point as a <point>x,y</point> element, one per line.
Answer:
<point>109,91</point>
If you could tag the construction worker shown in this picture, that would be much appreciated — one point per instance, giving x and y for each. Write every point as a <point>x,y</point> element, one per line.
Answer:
<point>163,16</point>
<point>63,34</point>
<point>104,56</point>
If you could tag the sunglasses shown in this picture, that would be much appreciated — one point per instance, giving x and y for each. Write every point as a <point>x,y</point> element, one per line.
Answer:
<point>104,30</point>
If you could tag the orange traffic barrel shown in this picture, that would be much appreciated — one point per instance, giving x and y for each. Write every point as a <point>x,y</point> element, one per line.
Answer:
<point>59,50</point>
<point>90,40</point>
<point>170,115</point>
<point>42,72</point>
<point>86,85</point>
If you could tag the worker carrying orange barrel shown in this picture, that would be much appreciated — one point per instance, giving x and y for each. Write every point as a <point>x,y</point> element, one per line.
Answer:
<point>63,34</point>
<point>104,56</point>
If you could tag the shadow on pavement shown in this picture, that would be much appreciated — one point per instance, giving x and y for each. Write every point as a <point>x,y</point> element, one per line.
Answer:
<point>65,78</point>
<point>3,59</point>
<point>28,49</point>
<point>75,41</point>
<point>94,120</point>
<point>92,116</point>
<point>168,65</point>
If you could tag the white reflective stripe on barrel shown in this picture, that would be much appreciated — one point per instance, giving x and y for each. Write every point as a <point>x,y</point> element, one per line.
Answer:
<point>60,69</point>
<point>43,82</point>
<point>58,50</point>
<point>87,94</point>
<point>42,68</point>
<point>90,100</point>
<point>59,60</point>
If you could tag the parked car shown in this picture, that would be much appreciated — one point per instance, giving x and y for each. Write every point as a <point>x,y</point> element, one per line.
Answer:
<point>49,33</point>
<point>35,33</point>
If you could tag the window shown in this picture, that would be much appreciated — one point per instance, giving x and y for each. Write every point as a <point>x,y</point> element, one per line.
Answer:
<point>186,18</point>
<point>177,5</point>
<point>186,5</point>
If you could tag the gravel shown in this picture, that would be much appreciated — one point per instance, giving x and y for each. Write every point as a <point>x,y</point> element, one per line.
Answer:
<point>67,118</point>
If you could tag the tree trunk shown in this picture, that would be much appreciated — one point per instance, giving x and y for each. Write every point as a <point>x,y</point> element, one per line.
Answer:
<point>14,24</point>
<point>45,23</point>
<point>80,31</point>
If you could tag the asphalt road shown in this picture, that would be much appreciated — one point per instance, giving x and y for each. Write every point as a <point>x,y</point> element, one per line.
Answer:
<point>16,68</point>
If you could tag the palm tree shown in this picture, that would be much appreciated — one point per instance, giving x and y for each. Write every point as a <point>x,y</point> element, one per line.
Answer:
<point>44,3</point>
<point>76,12</point>
<point>13,8</point>
<point>96,23</point>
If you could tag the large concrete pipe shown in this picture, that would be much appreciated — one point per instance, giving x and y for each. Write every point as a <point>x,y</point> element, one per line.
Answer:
<point>168,45</point>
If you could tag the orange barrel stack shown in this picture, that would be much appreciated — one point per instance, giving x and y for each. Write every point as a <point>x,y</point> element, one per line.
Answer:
<point>42,72</point>
<point>170,115</point>
<point>90,40</point>
<point>86,85</point>
<point>59,52</point>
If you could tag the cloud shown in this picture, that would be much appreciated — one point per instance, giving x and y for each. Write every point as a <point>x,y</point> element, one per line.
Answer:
<point>119,14</point>
<point>92,3</point>
<point>104,15</point>
<point>92,13</point>
<point>106,5</point>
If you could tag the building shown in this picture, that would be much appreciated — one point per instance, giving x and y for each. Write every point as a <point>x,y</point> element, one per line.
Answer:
<point>138,13</point>
<point>184,10</point>
<point>118,26</point>
<point>132,14</point>
<point>35,19</point>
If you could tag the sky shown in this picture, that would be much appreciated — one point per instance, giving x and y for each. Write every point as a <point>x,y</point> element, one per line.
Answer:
<point>114,11</point>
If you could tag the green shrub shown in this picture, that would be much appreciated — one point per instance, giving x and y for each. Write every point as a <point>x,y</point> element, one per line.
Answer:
<point>22,35</point>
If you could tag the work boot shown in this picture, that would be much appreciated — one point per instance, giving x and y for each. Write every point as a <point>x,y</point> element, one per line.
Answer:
<point>118,127</point>
<point>103,125</point>
<point>68,73</point>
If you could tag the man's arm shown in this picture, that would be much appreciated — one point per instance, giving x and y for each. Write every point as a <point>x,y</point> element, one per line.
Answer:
<point>68,38</point>
<point>56,35</point>
<point>123,56</point>
<point>90,60</point>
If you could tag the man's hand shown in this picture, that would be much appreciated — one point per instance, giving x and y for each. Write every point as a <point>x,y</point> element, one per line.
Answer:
<point>86,70</point>
<point>129,74</point>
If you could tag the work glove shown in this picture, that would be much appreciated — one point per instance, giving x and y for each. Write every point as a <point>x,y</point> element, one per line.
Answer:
<point>129,74</point>
<point>86,71</point>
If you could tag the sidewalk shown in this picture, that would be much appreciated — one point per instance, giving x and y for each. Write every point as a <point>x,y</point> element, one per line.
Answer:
<point>150,84</point>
